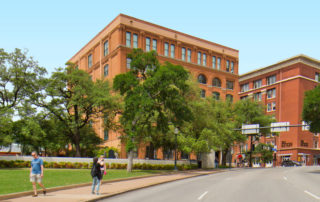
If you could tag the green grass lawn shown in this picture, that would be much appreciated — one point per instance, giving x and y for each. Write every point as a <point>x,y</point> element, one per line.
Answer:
<point>17,180</point>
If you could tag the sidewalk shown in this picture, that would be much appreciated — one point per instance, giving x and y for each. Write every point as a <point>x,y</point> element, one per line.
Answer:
<point>109,189</point>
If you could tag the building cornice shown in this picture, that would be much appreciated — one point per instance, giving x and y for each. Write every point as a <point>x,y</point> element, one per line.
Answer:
<point>281,81</point>
<point>127,21</point>
<point>285,63</point>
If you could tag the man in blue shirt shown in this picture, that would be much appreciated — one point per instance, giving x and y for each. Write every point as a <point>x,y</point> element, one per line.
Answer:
<point>36,173</point>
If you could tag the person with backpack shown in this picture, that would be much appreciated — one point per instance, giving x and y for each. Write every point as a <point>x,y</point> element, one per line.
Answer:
<point>96,176</point>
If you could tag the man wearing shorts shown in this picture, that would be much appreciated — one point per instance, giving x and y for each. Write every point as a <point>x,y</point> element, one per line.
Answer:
<point>36,173</point>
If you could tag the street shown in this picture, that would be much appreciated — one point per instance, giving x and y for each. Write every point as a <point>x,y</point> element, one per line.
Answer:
<point>294,184</point>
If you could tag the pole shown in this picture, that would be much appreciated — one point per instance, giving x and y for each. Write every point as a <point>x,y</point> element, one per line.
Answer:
<point>250,157</point>
<point>175,152</point>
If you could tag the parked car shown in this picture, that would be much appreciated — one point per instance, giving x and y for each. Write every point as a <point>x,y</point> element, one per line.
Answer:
<point>290,163</point>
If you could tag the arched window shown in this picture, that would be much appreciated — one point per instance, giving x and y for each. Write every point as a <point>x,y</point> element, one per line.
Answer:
<point>216,82</point>
<point>216,95</point>
<point>202,79</point>
<point>202,93</point>
<point>229,98</point>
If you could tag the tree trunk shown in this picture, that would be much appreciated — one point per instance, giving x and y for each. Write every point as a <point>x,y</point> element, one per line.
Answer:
<point>130,161</point>
<point>77,143</point>
<point>224,157</point>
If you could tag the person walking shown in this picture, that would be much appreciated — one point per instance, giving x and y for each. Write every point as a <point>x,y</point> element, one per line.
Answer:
<point>96,176</point>
<point>102,167</point>
<point>36,173</point>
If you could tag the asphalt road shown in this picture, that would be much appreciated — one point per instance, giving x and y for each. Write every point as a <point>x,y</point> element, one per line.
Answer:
<point>295,184</point>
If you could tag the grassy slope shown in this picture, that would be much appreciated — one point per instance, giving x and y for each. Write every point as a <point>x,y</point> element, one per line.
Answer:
<point>17,180</point>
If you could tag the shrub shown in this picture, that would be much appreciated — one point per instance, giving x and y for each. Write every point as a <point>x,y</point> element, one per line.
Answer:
<point>86,165</point>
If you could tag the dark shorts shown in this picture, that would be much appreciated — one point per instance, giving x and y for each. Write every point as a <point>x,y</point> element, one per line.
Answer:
<point>102,173</point>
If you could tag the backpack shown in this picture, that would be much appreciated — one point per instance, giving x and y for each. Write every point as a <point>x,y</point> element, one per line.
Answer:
<point>93,170</point>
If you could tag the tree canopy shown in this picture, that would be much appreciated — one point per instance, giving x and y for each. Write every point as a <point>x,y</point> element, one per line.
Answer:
<point>311,109</point>
<point>20,79</point>
<point>76,101</point>
<point>154,98</point>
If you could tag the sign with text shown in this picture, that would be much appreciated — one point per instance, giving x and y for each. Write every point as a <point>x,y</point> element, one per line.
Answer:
<point>280,127</point>
<point>305,126</point>
<point>250,129</point>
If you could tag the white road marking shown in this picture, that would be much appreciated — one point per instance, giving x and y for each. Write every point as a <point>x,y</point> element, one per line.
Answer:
<point>200,197</point>
<point>313,195</point>
<point>285,178</point>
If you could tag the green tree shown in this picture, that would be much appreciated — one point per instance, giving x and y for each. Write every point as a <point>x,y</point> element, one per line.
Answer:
<point>20,79</point>
<point>311,109</point>
<point>212,127</point>
<point>76,101</point>
<point>265,152</point>
<point>248,111</point>
<point>154,98</point>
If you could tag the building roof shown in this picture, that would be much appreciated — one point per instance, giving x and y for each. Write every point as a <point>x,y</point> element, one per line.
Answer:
<point>156,29</point>
<point>284,63</point>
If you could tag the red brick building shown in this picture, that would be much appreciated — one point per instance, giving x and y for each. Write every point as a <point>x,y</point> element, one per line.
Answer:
<point>105,56</point>
<point>280,87</point>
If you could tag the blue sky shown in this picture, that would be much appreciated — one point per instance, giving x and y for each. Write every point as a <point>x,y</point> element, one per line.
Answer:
<point>264,32</point>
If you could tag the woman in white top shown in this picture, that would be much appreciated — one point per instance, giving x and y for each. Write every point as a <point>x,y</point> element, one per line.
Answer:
<point>102,167</point>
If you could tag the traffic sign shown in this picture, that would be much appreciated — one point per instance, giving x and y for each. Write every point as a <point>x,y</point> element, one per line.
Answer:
<point>250,129</point>
<point>280,127</point>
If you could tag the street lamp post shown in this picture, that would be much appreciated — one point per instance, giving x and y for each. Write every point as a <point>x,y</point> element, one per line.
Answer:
<point>176,130</point>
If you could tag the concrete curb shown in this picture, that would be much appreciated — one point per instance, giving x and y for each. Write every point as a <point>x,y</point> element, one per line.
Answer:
<point>151,185</point>
<point>29,193</point>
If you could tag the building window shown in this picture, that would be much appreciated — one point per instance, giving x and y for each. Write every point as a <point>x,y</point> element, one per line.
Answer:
<point>216,82</point>
<point>271,106</point>
<point>183,54</point>
<point>214,62</point>
<point>230,85</point>
<point>106,135</point>
<point>216,95</point>
<point>258,96</point>
<point>202,79</point>
<point>204,59</point>
<point>199,58</point>
<point>317,77</point>
<point>257,84</point>
<point>228,66</point>
<point>128,39</point>
<point>202,93</point>
<point>189,55</point>
<point>148,44</point>
<point>219,64</point>
<point>232,67</point>
<point>154,44</point>
<point>106,70</point>
<point>271,93</point>
<point>135,40</point>
<point>129,63</point>
<point>315,144</point>
<point>271,79</point>
<point>172,51</point>
<point>245,87</point>
<point>166,49</point>
<point>106,48</point>
<point>89,60</point>
<point>229,97</point>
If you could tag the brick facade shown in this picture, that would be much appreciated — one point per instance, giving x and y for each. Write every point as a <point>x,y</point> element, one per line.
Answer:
<point>293,76</point>
<point>125,33</point>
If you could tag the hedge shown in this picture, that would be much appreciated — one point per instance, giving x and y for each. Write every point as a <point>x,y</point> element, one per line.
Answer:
<point>144,166</point>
